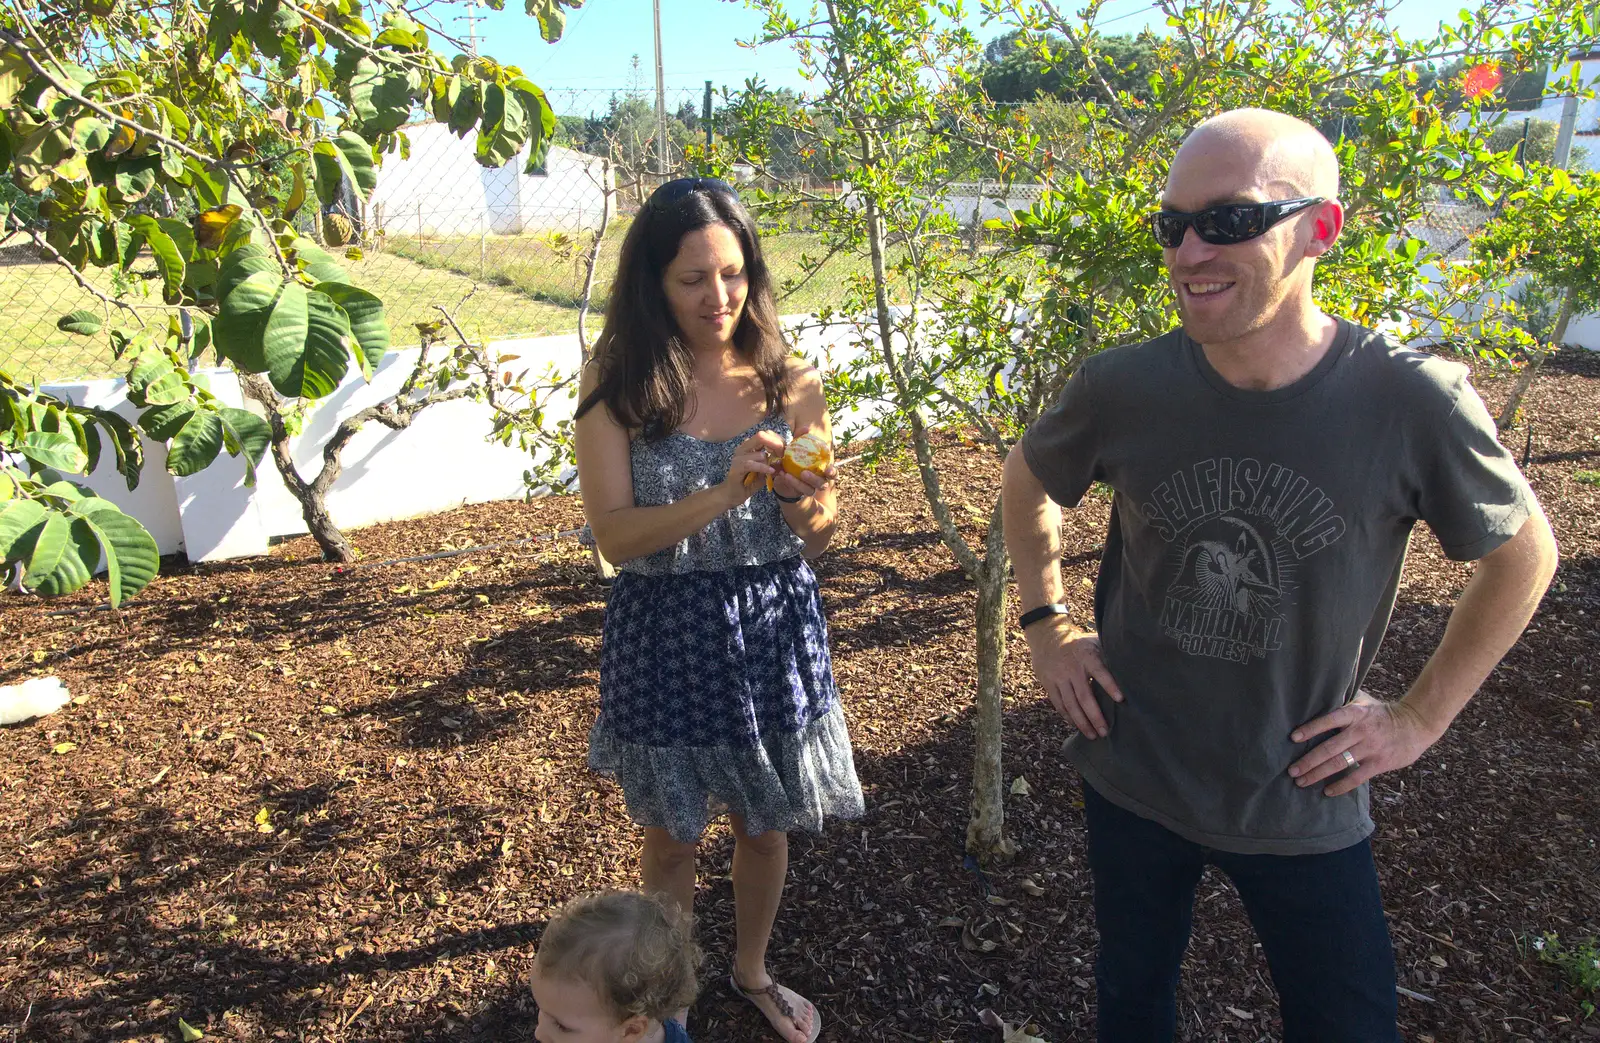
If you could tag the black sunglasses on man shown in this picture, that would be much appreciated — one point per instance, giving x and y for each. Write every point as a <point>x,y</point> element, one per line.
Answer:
<point>1227,224</point>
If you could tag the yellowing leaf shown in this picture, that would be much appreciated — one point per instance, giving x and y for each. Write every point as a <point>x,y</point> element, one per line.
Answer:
<point>1020,787</point>
<point>64,747</point>
<point>1009,1033</point>
<point>264,821</point>
<point>189,1032</point>
<point>210,225</point>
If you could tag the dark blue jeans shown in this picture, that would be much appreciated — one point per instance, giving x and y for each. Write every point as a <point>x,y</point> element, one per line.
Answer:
<point>1319,918</point>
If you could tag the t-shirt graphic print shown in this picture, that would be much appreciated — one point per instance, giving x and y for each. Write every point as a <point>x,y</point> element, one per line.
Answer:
<point>1238,532</point>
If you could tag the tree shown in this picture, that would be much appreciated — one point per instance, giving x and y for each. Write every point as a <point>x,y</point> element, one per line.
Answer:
<point>984,343</point>
<point>1540,145</point>
<point>1018,68</point>
<point>193,136</point>
<point>1550,230</point>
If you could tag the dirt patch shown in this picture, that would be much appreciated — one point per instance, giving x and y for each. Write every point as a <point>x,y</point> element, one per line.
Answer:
<point>301,805</point>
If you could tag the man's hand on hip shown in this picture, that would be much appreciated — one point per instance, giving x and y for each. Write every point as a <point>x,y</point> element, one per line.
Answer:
<point>1372,737</point>
<point>1065,660</point>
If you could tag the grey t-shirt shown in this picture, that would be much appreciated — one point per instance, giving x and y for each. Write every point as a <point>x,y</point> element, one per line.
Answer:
<point>1253,559</point>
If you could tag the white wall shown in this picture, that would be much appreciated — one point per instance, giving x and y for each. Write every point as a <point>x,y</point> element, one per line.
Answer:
<point>440,462</point>
<point>441,190</point>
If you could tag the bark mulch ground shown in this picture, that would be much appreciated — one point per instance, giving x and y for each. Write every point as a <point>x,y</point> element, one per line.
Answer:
<point>291,804</point>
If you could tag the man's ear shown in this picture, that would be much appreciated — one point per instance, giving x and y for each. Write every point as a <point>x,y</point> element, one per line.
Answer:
<point>1326,228</point>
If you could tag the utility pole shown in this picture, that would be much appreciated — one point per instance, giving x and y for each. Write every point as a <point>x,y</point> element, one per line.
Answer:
<point>472,18</point>
<point>662,144</point>
<point>705,116</point>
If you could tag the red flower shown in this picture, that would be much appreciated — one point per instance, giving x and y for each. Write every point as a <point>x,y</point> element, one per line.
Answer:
<point>1480,80</point>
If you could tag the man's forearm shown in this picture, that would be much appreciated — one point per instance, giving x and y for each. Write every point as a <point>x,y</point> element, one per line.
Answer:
<point>1033,533</point>
<point>1490,615</point>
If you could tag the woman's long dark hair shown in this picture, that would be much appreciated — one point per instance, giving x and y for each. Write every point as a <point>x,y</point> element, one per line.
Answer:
<point>645,366</point>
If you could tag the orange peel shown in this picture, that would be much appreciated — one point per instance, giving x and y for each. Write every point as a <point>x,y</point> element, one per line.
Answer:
<point>808,452</point>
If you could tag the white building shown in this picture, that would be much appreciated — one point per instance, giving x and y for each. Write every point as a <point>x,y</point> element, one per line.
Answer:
<point>442,191</point>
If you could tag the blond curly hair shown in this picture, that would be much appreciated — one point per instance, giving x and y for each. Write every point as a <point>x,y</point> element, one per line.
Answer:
<point>631,948</point>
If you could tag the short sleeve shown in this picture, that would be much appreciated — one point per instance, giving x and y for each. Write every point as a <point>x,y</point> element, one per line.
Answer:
<point>1062,447</point>
<point>1468,488</point>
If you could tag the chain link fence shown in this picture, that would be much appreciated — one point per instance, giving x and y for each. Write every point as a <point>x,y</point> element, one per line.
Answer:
<point>506,251</point>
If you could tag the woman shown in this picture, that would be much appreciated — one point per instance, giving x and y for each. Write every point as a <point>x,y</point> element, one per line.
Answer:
<point>716,688</point>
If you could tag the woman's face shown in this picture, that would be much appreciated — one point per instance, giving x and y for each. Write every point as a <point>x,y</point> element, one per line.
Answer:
<point>706,285</point>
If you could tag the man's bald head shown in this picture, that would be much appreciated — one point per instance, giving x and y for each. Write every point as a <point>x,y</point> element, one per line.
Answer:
<point>1289,156</point>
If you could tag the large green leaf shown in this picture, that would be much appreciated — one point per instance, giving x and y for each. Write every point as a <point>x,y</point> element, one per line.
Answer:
<point>380,96</point>
<point>82,322</point>
<point>367,322</point>
<point>75,568</point>
<point>155,381</point>
<point>317,365</point>
<point>240,264</point>
<point>543,124</point>
<point>169,258</point>
<point>124,441</point>
<point>326,171</point>
<point>357,162</point>
<point>164,422</point>
<point>132,557</point>
<point>245,433</point>
<point>284,337</point>
<point>54,450</point>
<point>239,329</point>
<point>196,444</point>
<point>20,522</point>
<point>504,127</point>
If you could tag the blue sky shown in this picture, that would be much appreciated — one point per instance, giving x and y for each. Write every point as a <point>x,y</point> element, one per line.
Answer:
<point>700,41</point>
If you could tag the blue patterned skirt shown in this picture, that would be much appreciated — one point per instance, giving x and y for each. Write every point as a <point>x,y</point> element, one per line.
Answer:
<point>716,691</point>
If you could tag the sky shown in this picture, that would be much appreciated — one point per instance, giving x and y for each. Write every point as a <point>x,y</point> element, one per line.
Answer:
<point>700,40</point>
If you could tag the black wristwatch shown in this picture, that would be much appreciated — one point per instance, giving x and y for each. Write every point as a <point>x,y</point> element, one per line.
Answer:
<point>1033,615</point>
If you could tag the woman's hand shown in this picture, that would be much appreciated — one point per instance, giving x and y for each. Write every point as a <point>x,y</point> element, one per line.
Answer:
<point>751,465</point>
<point>809,483</point>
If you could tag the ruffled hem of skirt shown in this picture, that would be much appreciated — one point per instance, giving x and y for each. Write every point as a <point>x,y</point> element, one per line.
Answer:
<point>789,782</point>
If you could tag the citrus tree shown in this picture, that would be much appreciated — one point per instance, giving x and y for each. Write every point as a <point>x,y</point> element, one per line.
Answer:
<point>186,138</point>
<point>983,344</point>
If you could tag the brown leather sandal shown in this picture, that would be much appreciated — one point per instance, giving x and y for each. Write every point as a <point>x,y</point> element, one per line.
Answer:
<point>775,994</point>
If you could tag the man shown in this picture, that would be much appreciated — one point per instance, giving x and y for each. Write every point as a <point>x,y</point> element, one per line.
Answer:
<point>1268,463</point>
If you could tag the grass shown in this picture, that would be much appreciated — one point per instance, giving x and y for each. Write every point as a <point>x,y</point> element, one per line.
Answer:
<point>526,286</point>
<point>1587,477</point>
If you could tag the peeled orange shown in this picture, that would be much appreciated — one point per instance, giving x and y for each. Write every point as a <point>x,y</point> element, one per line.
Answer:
<point>809,452</point>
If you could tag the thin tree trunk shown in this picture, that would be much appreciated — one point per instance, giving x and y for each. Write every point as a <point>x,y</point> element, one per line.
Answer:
<point>986,839</point>
<point>313,501</point>
<point>1530,372</point>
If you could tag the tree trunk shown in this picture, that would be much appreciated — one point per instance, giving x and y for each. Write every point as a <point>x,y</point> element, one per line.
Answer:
<point>1530,372</point>
<point>986,839</point>
<point>311,495</point>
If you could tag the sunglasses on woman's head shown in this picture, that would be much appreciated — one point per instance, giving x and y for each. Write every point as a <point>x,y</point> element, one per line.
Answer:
<point>1228,224</point>
<point>673,191</point>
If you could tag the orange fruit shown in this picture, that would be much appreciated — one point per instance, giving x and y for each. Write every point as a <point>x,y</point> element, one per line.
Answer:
<point>809,452</point>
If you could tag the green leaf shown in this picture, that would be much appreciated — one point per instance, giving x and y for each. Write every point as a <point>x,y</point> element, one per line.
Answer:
<point>240,327</point>
<point>245,433</point>
<point>380,96</point>
<point>543,127</point>
<point>315,366</point>
<point>357,162</point>
<point>14,72</point>
<point>327,172</point>
<point>83,323</point>
<point>124,441</point>
<point>367,322</point>
<point>197,444</point>
<point>132,557</point>
<point>504,127</point>
<point>240,264</point>
<point>163,423</point>
<point>54,450</point>
<point>20,521</point>
<point>76,566</point>
<point>8,487</point>
<point>169,258</point>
